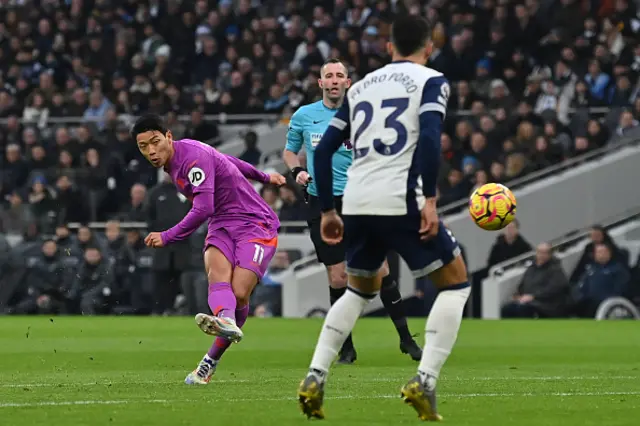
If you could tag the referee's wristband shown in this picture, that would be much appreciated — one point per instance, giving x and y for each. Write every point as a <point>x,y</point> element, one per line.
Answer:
<point>296,171</point>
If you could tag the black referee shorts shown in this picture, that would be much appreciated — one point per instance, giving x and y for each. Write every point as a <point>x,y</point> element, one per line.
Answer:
<point>327,255</point>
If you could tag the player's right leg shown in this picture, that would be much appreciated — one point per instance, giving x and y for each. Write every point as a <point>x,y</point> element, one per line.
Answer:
<point>365,256</point>
<point>218,259</point>
<point>222,300</point>
<point>440,259</point>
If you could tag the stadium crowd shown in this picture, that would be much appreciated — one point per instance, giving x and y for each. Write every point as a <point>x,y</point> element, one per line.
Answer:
<point>527,80</point>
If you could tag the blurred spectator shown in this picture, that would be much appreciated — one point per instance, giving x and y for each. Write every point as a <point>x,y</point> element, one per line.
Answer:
<point>603,278</point>
<point>270,194</point>
<point>626,124</point>
<point>66,241</point>
<point>597,235</point>
<point>16,216</point>
<point>193,282</point>
<point>114,239</point>
<point>14,170</point>
<point>46,281</point>
<point>267,297</point>
<point>88,238</point>
<point>135,211</point>
<point>135,283</point>
<point>42,203</point>
<point>93,283</point>
<point>201,130</point>
<point>292,208</point>
<point>508,245</point>
<point>71,203</point>
<point>544,291</point>
<point>251,152</point>
<point>166,207</point>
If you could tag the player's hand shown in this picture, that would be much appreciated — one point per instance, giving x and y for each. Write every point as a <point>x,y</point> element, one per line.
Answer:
<point>154,240</point>
<point>303,178</point>
<point>429,220</point>
<point>277,179</point>
<point>331,228</point>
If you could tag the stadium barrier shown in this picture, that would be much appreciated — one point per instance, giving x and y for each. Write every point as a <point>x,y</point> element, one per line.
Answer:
<point>305,289</point>
<point>504,278</point>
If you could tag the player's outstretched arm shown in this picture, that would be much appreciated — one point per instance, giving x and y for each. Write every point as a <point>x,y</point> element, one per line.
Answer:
<point>202,178</point>
<point>248,170</point>
<point>335,135</point>
<point>201,210</point>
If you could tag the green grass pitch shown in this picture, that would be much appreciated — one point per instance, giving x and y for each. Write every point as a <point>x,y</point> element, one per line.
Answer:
<point>130,371</point>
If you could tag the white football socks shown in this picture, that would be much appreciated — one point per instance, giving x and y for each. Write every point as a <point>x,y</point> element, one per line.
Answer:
<point>338,323</point>
<point>441,333</point>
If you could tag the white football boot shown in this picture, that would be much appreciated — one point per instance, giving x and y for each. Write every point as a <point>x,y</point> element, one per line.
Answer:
<point>219,326</point>
<point>203,372</point>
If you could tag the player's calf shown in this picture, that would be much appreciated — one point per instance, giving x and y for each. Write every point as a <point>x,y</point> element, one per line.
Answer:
<point>338,324</point>
<point>340,320</point>
<point>337,287</point>
<point>444,320</point>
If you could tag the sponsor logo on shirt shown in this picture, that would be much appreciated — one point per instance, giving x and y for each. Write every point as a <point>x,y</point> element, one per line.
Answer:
<point>196,176</point>
<point>315,139</point>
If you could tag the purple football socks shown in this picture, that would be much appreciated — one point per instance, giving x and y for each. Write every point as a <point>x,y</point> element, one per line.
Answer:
<point>222,300</point>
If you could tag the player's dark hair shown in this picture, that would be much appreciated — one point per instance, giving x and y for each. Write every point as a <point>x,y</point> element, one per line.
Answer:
<point>409,34</point>
<point>334,61</point>
<point>148,123</point>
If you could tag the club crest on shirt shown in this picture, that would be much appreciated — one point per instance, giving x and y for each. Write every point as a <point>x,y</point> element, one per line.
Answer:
<point>196,176</point>
<point>315,139</point>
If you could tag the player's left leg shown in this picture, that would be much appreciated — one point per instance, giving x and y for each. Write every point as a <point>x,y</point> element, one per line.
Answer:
<point>365,256</point>
<point>392,301</point>
<point>439,258</point>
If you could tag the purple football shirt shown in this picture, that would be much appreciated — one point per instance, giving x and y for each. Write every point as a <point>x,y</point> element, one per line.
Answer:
<point>217,185</point>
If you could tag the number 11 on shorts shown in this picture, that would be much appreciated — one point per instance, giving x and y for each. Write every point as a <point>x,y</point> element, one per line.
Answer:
<point>258,254</point>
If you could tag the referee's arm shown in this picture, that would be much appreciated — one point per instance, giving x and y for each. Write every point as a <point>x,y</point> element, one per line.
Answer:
<point>294,144</point>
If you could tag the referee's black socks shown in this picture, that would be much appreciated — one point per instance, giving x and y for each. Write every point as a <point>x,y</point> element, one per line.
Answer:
<point>392,301</point>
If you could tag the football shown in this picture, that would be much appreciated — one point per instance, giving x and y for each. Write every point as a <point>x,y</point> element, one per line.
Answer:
<point>492,206</point>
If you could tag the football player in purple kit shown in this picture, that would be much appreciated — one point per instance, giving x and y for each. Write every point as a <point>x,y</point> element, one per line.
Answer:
<point>242,228</point>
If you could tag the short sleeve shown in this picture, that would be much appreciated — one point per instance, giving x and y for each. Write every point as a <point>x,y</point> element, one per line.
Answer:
<point>295,137</point>
<point>435,96</point>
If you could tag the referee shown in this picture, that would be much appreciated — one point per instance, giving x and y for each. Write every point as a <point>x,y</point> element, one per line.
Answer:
<point>306,128</point>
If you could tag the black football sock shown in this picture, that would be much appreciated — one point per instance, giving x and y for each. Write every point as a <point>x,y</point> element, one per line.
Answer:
<point>335,294</point>
<point>392,301</point>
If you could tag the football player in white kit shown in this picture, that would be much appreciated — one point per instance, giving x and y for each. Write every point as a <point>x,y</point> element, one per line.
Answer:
<point>394,118</point>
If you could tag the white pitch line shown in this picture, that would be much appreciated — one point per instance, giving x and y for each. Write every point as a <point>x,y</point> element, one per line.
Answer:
<point>363,380</point>
<point>340,397</point>
<point>67,403</point>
